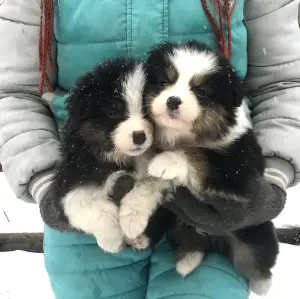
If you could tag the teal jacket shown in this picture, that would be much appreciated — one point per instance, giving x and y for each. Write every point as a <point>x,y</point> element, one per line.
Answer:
<point>89,32</point>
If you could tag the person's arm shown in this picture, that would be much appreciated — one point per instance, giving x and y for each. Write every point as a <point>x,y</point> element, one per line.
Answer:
<point>29,143</point>
<point>274,85</point>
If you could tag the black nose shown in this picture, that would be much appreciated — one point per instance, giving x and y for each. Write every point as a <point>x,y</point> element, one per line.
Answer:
<point>173,103</point>
<point>139,137</point>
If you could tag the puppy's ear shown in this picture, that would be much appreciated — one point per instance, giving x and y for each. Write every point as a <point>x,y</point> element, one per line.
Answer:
<point>159,53</point>
<point>238,87</point>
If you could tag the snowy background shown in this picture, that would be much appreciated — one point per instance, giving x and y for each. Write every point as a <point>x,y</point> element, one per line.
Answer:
<point>23,276</point>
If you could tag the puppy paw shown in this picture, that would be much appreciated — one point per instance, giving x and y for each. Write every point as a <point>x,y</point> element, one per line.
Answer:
<point>112,243</point>
<point>260,287</point>
<point>137,207</point>
<point>189,263</point>
<point>169,166</point>
<point>142,242</point>
<point>88,210</point>
<point>108,232</point>
<point>133,220</point>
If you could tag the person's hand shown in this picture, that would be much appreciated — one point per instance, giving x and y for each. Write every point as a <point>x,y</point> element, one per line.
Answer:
<point>219,215</point>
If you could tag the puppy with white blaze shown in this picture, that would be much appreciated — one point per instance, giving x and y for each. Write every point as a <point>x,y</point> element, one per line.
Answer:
<point>195,99</point>
<point>106,142</point>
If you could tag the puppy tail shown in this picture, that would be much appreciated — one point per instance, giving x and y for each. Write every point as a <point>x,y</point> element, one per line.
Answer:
<point>289,235</point>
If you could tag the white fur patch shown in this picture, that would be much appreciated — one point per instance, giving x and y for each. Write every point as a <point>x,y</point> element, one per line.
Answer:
<point>189,263</point>
<point>139,204</point>
<point>133,87</point>
<point>260,287</point>
<point>140,243</point>
<point>170,166</point>
<point>192,62</point>
<point>88,209</point>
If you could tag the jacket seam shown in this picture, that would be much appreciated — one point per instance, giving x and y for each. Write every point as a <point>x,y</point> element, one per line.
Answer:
<point>183,294</point>
<point>27,132</point>
<point>18,22</point>
<point>278,118</point>
<point>268,13</point>
<point>129,26</point>
<point>164,20</point>
<point>275,65</point>
<point>94,270</point>
<point>91,43</point>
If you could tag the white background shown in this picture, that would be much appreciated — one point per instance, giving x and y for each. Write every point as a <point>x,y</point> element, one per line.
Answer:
<point>22,275</point>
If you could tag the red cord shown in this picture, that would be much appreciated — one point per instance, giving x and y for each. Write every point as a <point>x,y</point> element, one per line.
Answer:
<point>45,40</point>
<point>219,31</point>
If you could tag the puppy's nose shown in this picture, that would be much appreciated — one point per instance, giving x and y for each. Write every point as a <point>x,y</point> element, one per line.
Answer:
<point>173,103</point>
<point>138,137</point>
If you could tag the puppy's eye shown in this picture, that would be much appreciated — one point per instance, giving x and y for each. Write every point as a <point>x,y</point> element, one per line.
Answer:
<point>201,92</point>
<point>164,83</point>
<point>114,114</point>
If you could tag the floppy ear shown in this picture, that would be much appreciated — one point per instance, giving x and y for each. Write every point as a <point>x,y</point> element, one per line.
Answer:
<point>158,53</point>
<point>238,88</point>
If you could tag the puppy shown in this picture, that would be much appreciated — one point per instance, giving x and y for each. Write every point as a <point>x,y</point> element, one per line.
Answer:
<point>195,99</point>
<point>105,148</point>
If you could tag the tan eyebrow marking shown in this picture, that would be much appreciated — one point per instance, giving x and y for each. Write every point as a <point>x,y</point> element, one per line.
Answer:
<point>171,73</point>
<point>197,80</point>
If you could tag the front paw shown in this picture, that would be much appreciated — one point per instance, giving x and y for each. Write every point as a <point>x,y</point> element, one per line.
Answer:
<point>112,242</point>
<point>133,219</point>
<point>169,166</point>
<point>137,207</point>
<point>142,242</point>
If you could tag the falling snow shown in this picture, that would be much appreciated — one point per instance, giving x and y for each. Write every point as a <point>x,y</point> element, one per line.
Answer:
<point>265,51</point>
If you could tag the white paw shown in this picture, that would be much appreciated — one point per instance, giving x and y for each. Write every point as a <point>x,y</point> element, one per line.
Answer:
<point>113,242</point>
<point>140,243</point>
<point>189,263</point>
<point>169,166</point>
<point>261,287</point>
<point>137,207</point>
<point>88,210</point>
<point>134,219</point>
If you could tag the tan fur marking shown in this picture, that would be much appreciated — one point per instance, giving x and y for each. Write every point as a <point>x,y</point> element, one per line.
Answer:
<point>199,168</point>
<point>211,125</point>
<point>197,80</point>
<point>171,73</point>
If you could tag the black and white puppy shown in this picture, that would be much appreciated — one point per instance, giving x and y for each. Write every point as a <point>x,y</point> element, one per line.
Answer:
<point>106,138</point>
<point>195,99</point>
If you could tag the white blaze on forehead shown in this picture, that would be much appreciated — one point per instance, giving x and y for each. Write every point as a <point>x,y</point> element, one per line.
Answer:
<point>133,87</point>
<point>192,62</point>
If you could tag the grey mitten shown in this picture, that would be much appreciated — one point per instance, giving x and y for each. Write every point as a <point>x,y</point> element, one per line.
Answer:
<point>219,215</point>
